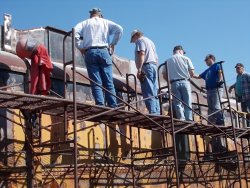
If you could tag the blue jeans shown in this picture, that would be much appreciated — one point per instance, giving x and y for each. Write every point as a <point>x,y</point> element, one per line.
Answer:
<point>149,88</point>
<point>245,106</point>
<point>99,67</point>
<point>213,102</point>
<point>182,90</point>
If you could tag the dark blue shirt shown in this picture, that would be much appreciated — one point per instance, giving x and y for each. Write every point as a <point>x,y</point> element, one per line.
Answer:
<point>211,76</point>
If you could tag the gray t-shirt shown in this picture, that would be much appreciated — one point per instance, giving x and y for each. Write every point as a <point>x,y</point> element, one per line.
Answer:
<point>146,45</point>
<point>179,66</point>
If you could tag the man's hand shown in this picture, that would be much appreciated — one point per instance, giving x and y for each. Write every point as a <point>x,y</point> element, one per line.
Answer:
<point>203,90</point>
<point>230,89</point>
<point>111,49</point>
<point>141,75</point>
<point>83,51</point>
<point>138,73</point>
<point>196,76</point>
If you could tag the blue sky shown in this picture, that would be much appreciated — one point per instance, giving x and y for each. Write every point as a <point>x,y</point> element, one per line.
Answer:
<point>220,27</point>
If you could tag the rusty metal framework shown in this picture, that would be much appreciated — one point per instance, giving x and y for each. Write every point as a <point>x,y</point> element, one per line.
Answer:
<point>228,165</point>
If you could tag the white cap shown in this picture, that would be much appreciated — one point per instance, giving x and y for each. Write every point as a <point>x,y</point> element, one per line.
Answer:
<point>133,33</point>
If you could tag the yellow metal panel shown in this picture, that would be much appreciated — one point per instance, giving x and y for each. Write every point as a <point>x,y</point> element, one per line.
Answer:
<point>19,137</point>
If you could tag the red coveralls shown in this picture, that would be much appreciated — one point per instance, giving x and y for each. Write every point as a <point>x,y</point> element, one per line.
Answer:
<point>41,68</point>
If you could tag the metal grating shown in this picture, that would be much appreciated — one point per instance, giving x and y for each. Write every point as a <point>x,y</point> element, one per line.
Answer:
<point>56,106</point>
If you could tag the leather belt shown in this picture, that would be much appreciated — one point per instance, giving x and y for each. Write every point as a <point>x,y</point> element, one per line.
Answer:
<point>151,62</point>
<point>96,47</point>
<point>172,81</point>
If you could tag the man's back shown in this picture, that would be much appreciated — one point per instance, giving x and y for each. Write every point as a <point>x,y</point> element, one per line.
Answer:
<point>146,45</point>
<point>245,86</point>
<point>95,31</point>
<point>179,66</point>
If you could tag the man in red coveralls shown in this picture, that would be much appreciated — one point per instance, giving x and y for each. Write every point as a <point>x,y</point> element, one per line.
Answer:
<point>41,65</point>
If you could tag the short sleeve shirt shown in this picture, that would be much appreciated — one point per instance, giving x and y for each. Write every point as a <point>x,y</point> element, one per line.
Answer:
<point>146,45</point>
<point>179,66</point>
<point>211,76</point>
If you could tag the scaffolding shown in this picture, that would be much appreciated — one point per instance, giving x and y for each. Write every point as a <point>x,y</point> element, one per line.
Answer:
<point>227,165</point>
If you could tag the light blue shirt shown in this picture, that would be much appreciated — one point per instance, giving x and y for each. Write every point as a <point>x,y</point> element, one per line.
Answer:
<point>95,31</point>
<point>179,66</point>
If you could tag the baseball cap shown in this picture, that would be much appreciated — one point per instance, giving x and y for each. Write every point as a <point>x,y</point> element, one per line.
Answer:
<point>239,65</point>
<point>179,47</point>
<point>133,33</point>
<point>95,10</point>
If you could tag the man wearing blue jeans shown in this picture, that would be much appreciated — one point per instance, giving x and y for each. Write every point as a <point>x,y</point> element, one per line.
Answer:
<point>92,39</point>
<point>180,69</point>
<point>146,60</point>
<point>214,87</point>
<point>242,89</point>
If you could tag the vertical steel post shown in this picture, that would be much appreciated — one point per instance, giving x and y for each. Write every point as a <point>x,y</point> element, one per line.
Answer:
<point>132,156</point>
<point>74,102</point>
<point>75,110</point>
<point>231,118</point>
<point>244,163</point>
<point>172,126</point>
<point>163,134</point>
<point>221,107</point>
<point>65,129</point>
<point>29,155</point>
<point>159,86</point>
<point>136,98</point>
<point>128,89</point>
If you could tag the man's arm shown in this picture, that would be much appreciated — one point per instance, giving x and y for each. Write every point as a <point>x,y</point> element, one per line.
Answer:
<point>79,37</point>
<point>191,73</point>
<point>231,88</point>
<point>196,76</point>
<point>190,67</point>
<point>220,75</point>
<point>248,76</point>
<point>220,81</point>
<point>141,58</point>
<point>116,30</point>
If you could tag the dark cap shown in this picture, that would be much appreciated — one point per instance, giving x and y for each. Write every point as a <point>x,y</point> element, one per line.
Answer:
<point>239,65</point>
<point>95,11</point>
<point>179,47</point>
